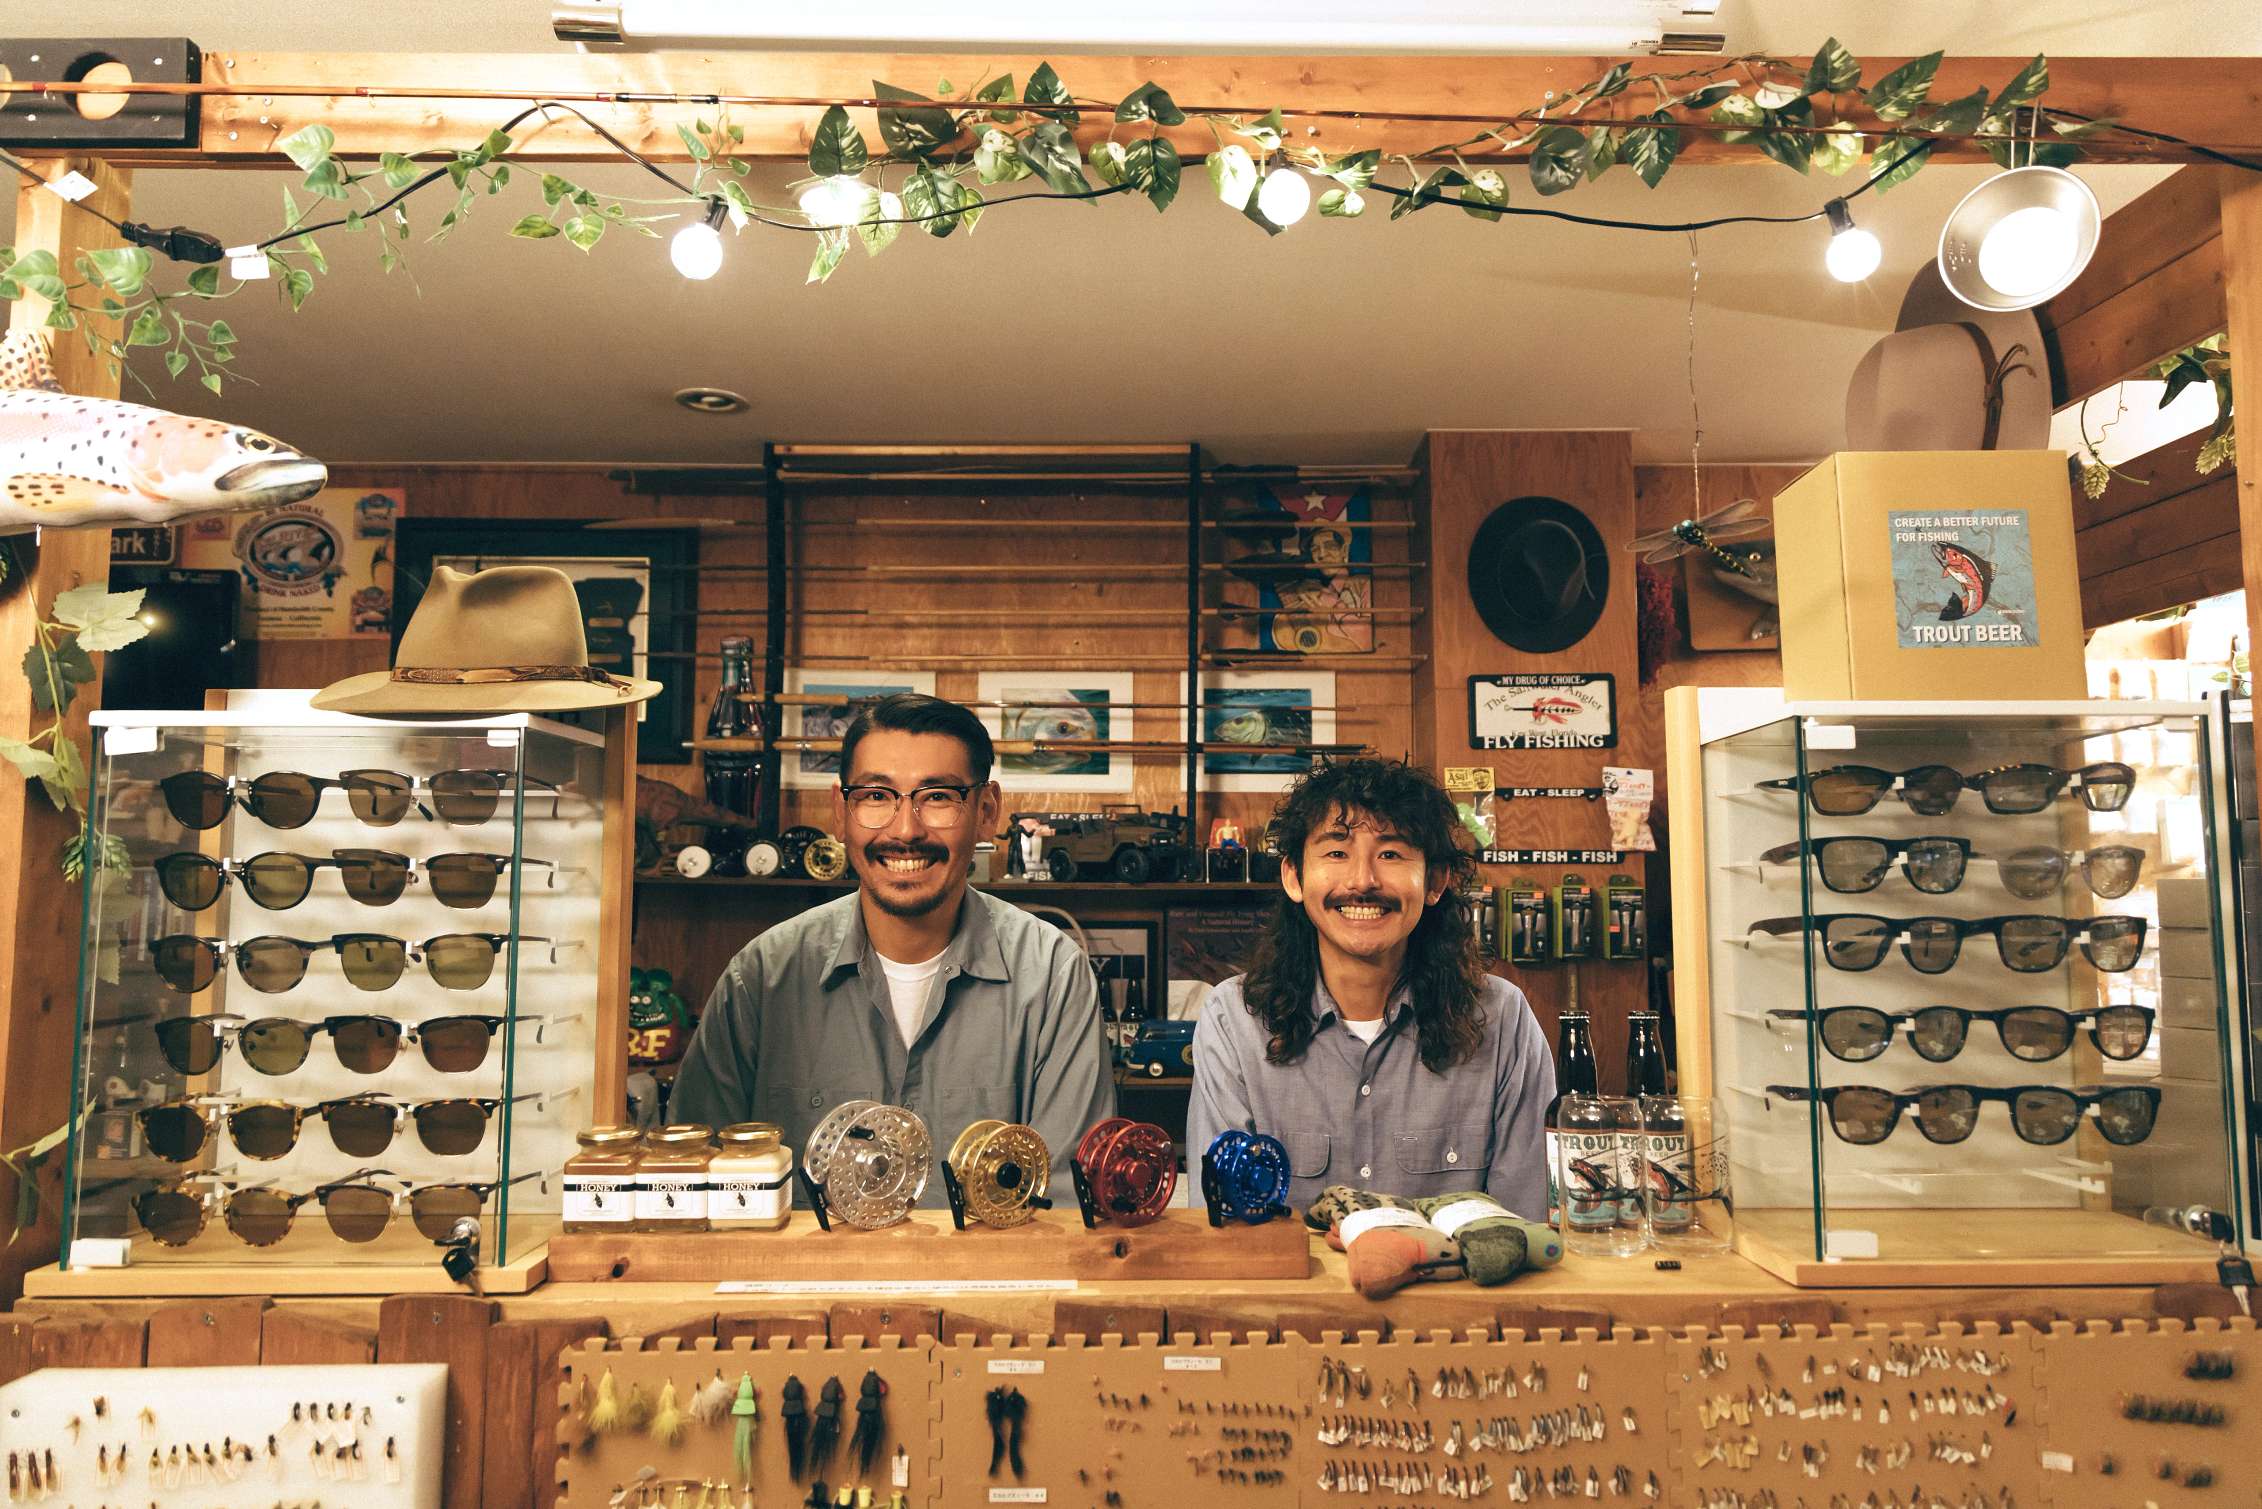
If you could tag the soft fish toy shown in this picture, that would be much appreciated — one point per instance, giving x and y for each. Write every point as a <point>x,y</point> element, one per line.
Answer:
<point>75,463</point>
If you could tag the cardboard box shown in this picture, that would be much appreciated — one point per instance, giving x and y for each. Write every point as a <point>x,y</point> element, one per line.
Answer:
<point>2187,901</point>
<point>2186,953</point>
<point>2188,1003</point>
<point>1930,575</point>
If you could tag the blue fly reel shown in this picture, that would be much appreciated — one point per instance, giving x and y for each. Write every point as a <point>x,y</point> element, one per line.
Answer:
<point>1245,1176</point>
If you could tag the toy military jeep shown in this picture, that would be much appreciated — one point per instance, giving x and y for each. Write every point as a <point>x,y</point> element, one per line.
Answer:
<point>1120,842</point>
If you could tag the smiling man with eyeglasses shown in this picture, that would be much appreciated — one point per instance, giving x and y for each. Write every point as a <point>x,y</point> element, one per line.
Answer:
<point>917,990</point>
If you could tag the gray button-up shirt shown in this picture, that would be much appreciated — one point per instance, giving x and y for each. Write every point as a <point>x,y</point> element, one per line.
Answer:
<point>1370,1114</point>
<point>800,1022</point>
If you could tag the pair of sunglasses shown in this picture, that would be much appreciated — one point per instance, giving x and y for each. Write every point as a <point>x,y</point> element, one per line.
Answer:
<point>2035,1034</point>
<point>365,1044</point>
<point>2044,1115</point>
<point>1935,864</point>
<point>2029,944</point>
<point>1932,790</point>
<point>373,877</point>
<point>372,961</point>
<point>357,1209</point>
<point>361,1126</point>
<point>380,798</point>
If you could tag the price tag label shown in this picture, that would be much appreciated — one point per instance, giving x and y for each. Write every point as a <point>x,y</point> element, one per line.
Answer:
<point>73,185</point>
<point>1017,1495</point>
<point>1183,1363</point>
<point>1016,1365</point>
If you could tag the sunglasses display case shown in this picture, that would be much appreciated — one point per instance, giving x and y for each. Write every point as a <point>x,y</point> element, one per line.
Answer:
<point>1955,975</point>
<point>339,1000</point>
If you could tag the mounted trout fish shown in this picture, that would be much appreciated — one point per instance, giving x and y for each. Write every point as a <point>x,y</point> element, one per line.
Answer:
<point>74,463</point>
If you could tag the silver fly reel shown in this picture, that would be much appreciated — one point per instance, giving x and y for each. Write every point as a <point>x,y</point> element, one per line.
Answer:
<point>871,1161</point>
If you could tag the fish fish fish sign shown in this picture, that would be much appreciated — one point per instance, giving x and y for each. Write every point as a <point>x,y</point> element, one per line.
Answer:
<point>68,462</point>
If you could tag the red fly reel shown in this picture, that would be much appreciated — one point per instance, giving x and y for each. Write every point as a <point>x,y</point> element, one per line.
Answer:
<point>1126,1172</point>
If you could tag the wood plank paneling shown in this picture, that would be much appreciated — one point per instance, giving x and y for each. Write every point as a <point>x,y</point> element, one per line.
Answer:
<point>291,1335</point>
<point>93,1338</point>
<point>2242,257</point>
<point>2123,335</point>
<point>451,1329</point>
<point>206,1333</point>
<point>2176,220</point>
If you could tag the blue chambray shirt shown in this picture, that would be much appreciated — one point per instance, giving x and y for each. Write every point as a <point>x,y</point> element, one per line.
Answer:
<point>1370,1114</point>
<point>800,1022</point>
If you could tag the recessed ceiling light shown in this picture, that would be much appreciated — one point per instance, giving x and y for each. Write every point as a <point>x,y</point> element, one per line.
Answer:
<point>711,401</point>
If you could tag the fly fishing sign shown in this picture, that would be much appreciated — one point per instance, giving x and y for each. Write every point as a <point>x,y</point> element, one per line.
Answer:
<point>1963,578</point>
<point>1538,710</point>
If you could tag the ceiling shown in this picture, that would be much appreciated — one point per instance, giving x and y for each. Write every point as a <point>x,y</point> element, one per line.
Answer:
<point>1337,341</point>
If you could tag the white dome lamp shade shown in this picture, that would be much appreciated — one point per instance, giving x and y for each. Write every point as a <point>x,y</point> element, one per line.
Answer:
<point>2019,238</point>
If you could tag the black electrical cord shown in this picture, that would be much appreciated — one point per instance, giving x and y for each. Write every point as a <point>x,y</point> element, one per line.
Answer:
<point>2226,158</point>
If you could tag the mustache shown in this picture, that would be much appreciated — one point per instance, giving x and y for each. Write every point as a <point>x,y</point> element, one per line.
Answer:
<point>1341,900</point>
<point>878,852</point>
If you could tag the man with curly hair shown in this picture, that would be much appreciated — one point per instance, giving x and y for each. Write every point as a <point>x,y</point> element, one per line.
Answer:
<point>1368,1035</point>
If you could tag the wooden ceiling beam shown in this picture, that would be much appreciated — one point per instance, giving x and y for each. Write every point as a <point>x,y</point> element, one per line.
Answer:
<point>2155,286</point>
<point>1342,104</point>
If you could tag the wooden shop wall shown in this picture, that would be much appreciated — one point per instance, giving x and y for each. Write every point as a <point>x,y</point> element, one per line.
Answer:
<point>1124,614</point>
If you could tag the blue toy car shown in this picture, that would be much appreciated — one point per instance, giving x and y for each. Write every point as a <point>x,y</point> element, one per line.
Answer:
<point>1161,1048</point>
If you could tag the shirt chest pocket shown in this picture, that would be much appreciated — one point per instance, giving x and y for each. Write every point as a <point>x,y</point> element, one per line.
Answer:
<point>1309,1153</point>
<point>1460,1147</point>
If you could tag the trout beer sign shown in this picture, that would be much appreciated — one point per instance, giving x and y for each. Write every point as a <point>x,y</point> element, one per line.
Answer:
<point>1963,578</point>
<point>1538,710</point>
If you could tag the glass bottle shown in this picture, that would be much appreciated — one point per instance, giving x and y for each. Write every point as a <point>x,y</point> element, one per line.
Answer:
<point>1645,1078</point>
<point>750,1180</point>
<point>1574,1075</point>
<point>672,1178</point>
<point>732,775</point>
<point>600,1180</point>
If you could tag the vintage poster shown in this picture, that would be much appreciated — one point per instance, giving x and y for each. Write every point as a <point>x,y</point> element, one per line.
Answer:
<point>320,569</point>
<point>1297,567</point>
<point>1041,707</point>
<point>1963,578</point>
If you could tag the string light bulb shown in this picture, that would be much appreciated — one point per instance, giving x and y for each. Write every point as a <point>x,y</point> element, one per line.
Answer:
<point>835,203</point>
<point>697,249</point>
<point>1285,196</point>
<point>1853,253</point>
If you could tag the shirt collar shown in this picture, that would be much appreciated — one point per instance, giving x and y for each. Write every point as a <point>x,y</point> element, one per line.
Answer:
<point>1325,1009</point>
<point>973,947</point>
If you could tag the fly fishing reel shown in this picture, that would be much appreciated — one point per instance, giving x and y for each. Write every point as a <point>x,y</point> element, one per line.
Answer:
<point>866,1163</point>
<point>1245,1177</point>
<point>1125,1171</point>
<point>996,1173</point>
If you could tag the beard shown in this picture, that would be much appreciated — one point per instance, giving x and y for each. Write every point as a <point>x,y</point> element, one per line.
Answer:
<point>876,857</point>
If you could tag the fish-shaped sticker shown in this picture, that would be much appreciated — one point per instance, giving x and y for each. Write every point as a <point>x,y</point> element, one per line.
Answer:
<point>1973,577</point>
<point>73,463</point>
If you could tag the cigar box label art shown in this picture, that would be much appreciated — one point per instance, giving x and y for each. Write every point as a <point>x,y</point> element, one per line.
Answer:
<point>1963,579</point>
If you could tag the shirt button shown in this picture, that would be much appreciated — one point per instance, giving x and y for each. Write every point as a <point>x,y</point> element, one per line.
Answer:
<point>1366,1089</point>
<point>1452,1157</point>
<point>1365,1172</point>
<point>817,1100</point>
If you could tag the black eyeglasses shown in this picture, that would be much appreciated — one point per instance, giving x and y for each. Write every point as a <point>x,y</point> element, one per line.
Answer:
<point>357,1208</point>
<point>2030,944</point>
<point>2034,1034</point>
<point>1932,790</point>
<point>934,806</point>
<point>380,798</point>
<point>360,1126</point>
<point>1933,864</point>
<point>371,961</point>
<point>365,1044</point>
<point>2044,1115</point>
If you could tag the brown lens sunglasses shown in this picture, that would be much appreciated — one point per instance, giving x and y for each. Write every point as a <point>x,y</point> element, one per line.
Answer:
<point>360,1126</point>
<point>273,963</point>
<point>365,1044</point>
<point>357,1208</point>
<point>380,798</point>
<point>373,877</point>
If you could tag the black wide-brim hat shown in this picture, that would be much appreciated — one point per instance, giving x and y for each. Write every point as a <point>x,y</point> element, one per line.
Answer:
<point>1539,574</point>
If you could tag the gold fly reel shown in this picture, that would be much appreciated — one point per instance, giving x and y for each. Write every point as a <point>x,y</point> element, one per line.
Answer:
<point>1002,1168</point>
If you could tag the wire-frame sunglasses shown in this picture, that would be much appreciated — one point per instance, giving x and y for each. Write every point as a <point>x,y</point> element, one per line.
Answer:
<point>380,798</point>
<point>2044,1115</point>
<point>273,963</point>
<point>357,1208</point>
<point>360,1126</point>
<point>2032,1034</point>
<point>364,1044</point>
<point>2030,944</point>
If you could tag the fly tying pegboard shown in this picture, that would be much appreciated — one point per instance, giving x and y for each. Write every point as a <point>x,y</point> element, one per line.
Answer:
<point>2165,1412</point>
<point>741,1425</point>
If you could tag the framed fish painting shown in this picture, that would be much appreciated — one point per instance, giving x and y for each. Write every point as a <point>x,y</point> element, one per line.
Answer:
<point>1270,712</point>
<point>819,769</point>
<point>1058,707</point>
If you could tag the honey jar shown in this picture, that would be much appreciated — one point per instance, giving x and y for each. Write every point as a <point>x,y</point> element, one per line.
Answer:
<point>600,1180</point>
<point>750,1182</point>
<point>671,1178</point>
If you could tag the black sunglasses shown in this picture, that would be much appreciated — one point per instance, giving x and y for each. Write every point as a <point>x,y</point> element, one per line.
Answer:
<point>1932,790</point>
<point>380,798</point>
<point>1934,864</point>
<point>2030,944</point>
<point>371,961</point>
<point>365,1044</point>
<point>2033,1034</point>
<point>361,1126</point>
<point>2044,1115</point>
<point>279,881</point>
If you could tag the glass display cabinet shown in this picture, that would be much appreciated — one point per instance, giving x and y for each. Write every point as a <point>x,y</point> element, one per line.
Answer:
<point>338,1002</point>
<point>1956,975</point>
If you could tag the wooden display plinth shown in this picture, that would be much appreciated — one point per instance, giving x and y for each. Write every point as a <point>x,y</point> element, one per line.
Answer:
<point>277,1280</point>
<point>1922,1249</point>
<point>926,1249</point>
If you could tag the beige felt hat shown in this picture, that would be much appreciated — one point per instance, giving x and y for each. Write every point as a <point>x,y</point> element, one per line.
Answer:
<point>1951,378</point>
<point>504,640</point>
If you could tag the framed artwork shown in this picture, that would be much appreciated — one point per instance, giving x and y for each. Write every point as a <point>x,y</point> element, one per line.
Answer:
<point>1078,706</point>
<point>638,592</point>
<point>815,769</point>
<point>1314,590</point>
<point>1261,708</point>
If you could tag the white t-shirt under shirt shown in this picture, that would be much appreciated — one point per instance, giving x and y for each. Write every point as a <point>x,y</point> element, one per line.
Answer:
<point>1367,1031</point>
<point>907,991</point>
